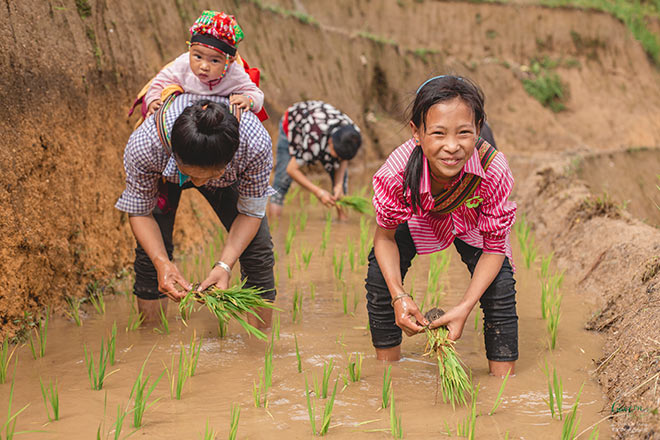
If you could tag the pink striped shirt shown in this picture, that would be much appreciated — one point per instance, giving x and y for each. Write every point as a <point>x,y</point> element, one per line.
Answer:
<point>486,226</point>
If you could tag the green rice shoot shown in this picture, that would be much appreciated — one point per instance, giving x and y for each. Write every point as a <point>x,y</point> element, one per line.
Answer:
<point>453,380</point>
<point>572,422</point>
<point>96,373</point>
<point>51,398</point>
<point>498,399</point>
<point>555,392</point>
<point>387,387</point>
<point>327,371</point>
<point>395,421</point>
<point>357,203</point>
<point>140,394</point>
<point>74,310</point>
<point>112,343</point>
<point>10,424</point>
<point>235,416</point>
<point>164,323</point>
<point>227,304</point>
<point>298,359</point>
<point>41,333</point>
<point>209,433</point>
<point>5,358</point>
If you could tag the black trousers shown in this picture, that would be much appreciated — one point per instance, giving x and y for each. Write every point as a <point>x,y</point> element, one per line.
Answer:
<point>498,301</point>
<point>257,260</point>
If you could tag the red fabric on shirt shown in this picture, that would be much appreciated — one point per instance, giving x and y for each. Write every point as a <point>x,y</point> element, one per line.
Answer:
<point>486,226</point>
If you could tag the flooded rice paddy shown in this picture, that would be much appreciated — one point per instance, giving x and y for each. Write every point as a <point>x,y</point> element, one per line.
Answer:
<point>331,325</point>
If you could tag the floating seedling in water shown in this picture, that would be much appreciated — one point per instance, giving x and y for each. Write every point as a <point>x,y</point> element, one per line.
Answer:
<point>356,203</point>
<point>453,379</point>
<point>387,387</point>
<point>41,333</point>
<point>74,310</point>
<point>51,398</point>
<point>227,304</point>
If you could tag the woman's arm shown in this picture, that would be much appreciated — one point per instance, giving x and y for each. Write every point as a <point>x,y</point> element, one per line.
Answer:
<point>487,268</point>
<point>407,315</point>
<point>147,233</point>
<point>294,171</point>
<point>338,190</point>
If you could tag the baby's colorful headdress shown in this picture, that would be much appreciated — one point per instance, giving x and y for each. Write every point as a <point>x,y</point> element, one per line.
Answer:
<point>217,30</point>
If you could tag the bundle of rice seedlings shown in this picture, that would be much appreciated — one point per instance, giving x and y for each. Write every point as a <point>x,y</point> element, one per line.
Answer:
<point>452,378</point>
<point>358,203</point>
<point>229,303</point>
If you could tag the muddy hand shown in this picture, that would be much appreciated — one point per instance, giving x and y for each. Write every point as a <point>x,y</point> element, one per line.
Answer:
<point>218,277</point>
<point>168,278</point>
<point>408,317</point>
<point>326,198</point>
<point>454,320</point>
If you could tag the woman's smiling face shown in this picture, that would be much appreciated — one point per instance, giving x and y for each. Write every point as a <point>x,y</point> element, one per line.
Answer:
<point>447,137</point>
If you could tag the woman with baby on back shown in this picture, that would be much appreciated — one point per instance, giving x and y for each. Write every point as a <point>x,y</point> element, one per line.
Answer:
<point>212,66</point>
<point>444,185</point>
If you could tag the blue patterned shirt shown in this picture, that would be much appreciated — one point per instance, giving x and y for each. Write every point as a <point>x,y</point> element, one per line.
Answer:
<point>146,161</point>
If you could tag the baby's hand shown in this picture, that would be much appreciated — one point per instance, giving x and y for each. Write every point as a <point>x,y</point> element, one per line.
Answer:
<point>240,101</point>
<point>155,105</point>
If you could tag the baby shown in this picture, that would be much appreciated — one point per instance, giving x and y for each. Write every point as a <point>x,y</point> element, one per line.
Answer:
<point>212,66</point>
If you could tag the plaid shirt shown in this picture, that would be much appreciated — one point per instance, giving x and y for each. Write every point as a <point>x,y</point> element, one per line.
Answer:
<point>146,161</point>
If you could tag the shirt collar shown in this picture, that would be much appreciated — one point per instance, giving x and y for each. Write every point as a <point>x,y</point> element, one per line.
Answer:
<point>472,166</point>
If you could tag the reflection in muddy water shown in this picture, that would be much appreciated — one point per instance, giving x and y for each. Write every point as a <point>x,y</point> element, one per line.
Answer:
<point>228,368</point>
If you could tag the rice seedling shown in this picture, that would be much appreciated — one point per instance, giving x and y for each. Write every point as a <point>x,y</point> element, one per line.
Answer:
<point>256,391</point>
<point>112,343</point>
<point>41,333</point>
<point>338,265</point>
<point>5,357</point>
<point>344,299</point>
<point>572,422</point>
<point>302,221</point>
<point>295,338</point>
<point>387,387</point>
<point>355,367</point>
<point>119,423</point>
<point>395,421</point>
<point>327,411</point>
<point>453,379</point>
<point>363,250</point>
<point>51,398</point>
<point>209,433</point>
<point>296,307</point>
<point>275,333</point>
<point>140,394</point>
<point>164,323</point>
<point>74,310</point>
<point>467,427</point>
<point>235,416</point>
<point>289,270</point>
<point>327,371</point>
<point>356,301</point>
<point>555,392</point>
<point>545,266</point>
<point>10,424</point>
<point>307,256</point>
<point>96,374</point>
<point>311,408</point>
<point>292,194</point>
<point>552,323</point>
<point>549,290</point>
<point>351,254</point>
<point>135,318</point>
<point>312,291</point>
<point>268,372</point>
<point>96,298</point>
<point>357,203</point>
<point>498,399</point>
<point>178,377</point>
<point>193,353</point>
<point>326,232</point>
<point>229,303</point>
<point>290,235</point>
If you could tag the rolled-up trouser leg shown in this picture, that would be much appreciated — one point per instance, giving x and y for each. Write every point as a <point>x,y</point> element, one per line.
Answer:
<point>146,278</point>
<point>257,259</point>
<point>384,331</point>
<point>499,307</point>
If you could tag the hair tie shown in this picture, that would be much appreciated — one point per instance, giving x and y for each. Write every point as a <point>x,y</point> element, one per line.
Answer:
<point>436,77</point>
<point>204,106</point>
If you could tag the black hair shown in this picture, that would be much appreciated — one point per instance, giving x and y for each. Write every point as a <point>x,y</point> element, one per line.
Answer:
<point>205,134</point>
<point>440,89</point>
<point>346,141</point>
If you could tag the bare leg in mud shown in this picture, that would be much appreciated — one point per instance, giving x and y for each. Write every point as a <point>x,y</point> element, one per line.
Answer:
<point>150,309</point>
<point>498,369</point>
<point>266,315</point>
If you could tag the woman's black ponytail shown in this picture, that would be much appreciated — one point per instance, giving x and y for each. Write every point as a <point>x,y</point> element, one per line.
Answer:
<point>433,91</point>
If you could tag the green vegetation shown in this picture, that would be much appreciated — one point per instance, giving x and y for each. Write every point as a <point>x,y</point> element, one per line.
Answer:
<point>466,428</point>
<point>164,323</point>
<point>51,399</point>
<point>41,333</point>
<point>96,374</point>
<point>295,337</point>
<point>525,240</point>
<point>178,377</point>
<point>326,232</point>
<point>387,387</point>
<point>355,367</point>
<point>84,8</point>
<point>140,394</point>
<point>5,357</point>
<point>74,310</point>
<point>395,421</point>
<point>572,422</point>
<point>498,399</point>
<point>357,203</point>
<point>378,39</point>
<point>555,392</point>
<point>544,84</point>
<point>235,416</point>
<point>96,298</point>
<point>296,307</point>
<point>10,424</point>
<point>112,343</point>
<point>327,371</point>
<point>454,381</point>
<point>209,433</point>
<point>227,304</point>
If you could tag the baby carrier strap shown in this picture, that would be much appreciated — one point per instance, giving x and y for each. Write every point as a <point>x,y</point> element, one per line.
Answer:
<point>449,200</point>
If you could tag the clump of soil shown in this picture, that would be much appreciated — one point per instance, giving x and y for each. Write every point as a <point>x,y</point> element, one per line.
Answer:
<point>433,314</point>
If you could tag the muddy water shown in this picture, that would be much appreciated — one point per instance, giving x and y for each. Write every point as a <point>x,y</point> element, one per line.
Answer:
<point>228,367</point>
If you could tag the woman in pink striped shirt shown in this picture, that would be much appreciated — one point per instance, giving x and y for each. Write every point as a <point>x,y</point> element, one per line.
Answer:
<point>445,185</point>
